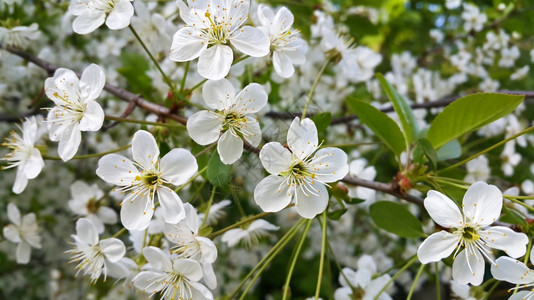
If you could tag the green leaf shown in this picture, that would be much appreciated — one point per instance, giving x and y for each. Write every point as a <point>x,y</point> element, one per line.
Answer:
<point>336,214</point>
<point>424,148</point>
<point>322,120</point>
<point>396,219</point>
<point>402,108</point>
<point>218,173</point>
<point>451,150</point>
<point>512,217</point>
<point>468,114</point>
<point>134,68</point>
<point>383,126</point>
<point>353,201</point>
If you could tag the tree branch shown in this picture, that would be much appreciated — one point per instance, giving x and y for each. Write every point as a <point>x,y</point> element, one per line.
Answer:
<point>387,188</point>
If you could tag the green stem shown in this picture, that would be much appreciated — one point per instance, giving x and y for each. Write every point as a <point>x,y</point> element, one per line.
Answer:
<point>295,257</point>
<point>123,230</point>
<point>191,179</point>
<point>314,86</point>
<point>492,288</point>
<point>245,221</point>
<point>321,262</point>
<point>414,284</point>
<point>406,266</point>
<point>338,266</point>
<point>143,122</point>
<point>89,155</point>
<point>438,283</point>
<point>512,198</point>
<point>182,84</point>
<point>487,150</point>
<point>209,206</point>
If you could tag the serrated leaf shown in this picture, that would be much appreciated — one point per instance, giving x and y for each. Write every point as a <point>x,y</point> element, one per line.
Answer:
<point>468,114</point>
<point>322,120</point>
<point>383,126</point>
<point>424,148</point>
<point>402,108</point>
<point>451,150</point>
<point>396,219</point>
<point>218,173</point>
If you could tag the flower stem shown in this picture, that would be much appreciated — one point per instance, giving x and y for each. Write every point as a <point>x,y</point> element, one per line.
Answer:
<point>89,155</point>
<point>209,206</point>
<point>438,283</point>
<point>312,90</point>
<point>406,266</point>
<point>414,284</point>
<point>295,257</point>
<point>143,122</point>
<point>182,84</point>
<point>321,262</point>
<point>123,230</point>
<point>191,179</point>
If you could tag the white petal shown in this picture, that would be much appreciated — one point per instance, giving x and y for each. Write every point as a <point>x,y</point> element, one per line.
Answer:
<point>233,236</point>
<point>230,147</point>
<point>283,20</point>
<point>173,208</point>
<point>482,203</point>
<point>302,137</point>
<point>498,237</point>
<point>472,272</point>
<point>86,231</point>
<point>93,117</point>
<point>251,99</point>
<point>21,181</point>
<point>187,44</point>
<point>120,15</point>
<point>92,82</point>
<point>375,286</point>
<point>522,295</point>
<point>145,151</point>
<point>312,200</point>
<point>97,222</point>
<point>157,258</point>
<point>272,193</point>
<point>443,210</point>
<point>262,225</point>
<point>209,251</point>
<point>69,142</point>
<point>34,164</point>
<point>275,158</point>
<point>204,127</point>
<point>329,164</point>
<point>265,14</point>
<point>209,276</point>
<point>150,281</point>
<point>88,22</point>
<point>283,65</point>
<point>214,63</point>
<point>251,41</point>
<point>437,246</point>
<point>11,232</point>
<point>178,166</point>
<point>251,131</point>
<point>116,169</point>
<point>219,94</point>
<point>511,270</point>
<point>24,252</point>
<point>107,215</point>
<point>188,268</point>
<point>64,85</point>
<point>113,249</point>
<point>136,212</point>
<point>199,291</point>
<point>13,214</point>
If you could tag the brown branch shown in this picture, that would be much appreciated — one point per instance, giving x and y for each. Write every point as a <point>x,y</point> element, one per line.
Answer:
<point>382,187</point>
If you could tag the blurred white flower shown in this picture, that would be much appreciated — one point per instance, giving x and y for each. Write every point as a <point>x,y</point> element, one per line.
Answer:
<point>24,231</point>
<point>477,170</point>
<point>90,14</point>
<point>216,212</point>
<point>19,36</point>
<point>250,234</point>
<point>85,202</point>
<point>473,18</point>
<point>365,287</point>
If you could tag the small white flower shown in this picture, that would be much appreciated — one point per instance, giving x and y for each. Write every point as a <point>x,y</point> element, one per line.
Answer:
<point>24,155</point>
<point>362,281</point>
<point>359,168</point>
<point>300,172</point>
<point>470,229</point>
<point>93,256</point>
<point>478,169</point>
<point>232,117</point>
<point>23,231</point>
<point>452,4</point>
<point>473,18</point>
<point>141,187</point>
<point>287,47</point>
<point>90,14</point>
<point>514,271</point>
<point>19,36</point>
<point>210,27</point>
<point>175,279</point>
<point>76,109</point>
<point>85,202</point>
<point>250,235</point>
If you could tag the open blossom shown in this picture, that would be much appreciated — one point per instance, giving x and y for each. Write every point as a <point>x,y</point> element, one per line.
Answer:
<point>514,271</point>
<point>24,231</point>
<point>175,278</point>
<point>76,109</point>
<point>300,172</point>
<point>142,186</point>
<point>90,14</point>
<point>211,27</point>
<point>19,36</point>
<point>232,117</point>
<point>24,156</point>
<point>95,256</point>
<point>287,47</point>
<point>470,230</point>
<point>365,287</point>
<point>250,234</point>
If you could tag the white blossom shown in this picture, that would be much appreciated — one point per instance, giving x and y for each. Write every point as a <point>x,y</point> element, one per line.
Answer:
<point>91,14</point>
<point>24,231</point>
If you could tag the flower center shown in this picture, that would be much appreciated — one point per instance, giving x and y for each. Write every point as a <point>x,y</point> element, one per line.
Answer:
<point>103,5</point>
<point>470,234</point>
<point>218,31</point>
<point>150,179</point>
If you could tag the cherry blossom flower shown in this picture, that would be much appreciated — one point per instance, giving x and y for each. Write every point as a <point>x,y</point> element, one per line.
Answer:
<point>232,117</point>
<point>93,256</point>
<point>85,202</point>
<point>90,14</point>
<point>24,155</point>
<point>287,47</point>
<point>470,229</point>
<point>514,271</point>
<point>365,287</point>
<point>250,234</point>
<point>175,278</point>
<point>210,27</point>
<point>142,186</point>
<point>76,109</point>
<point>19,36</point>
<point>24,231</point>
<point>300,172</point>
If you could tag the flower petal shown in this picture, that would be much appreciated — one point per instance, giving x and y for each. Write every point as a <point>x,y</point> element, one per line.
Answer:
<point>329,164</point>
<point>21,181</point>
<point>214,63</point>
<point>113,249</point>
<point>443,210</point>
<point>283,20</point>
<point>86,231</point>
<point>251,99</point>
<point>136,211</point>
<point>283,66</point>
<point>521,295</point>
<point>187,44</point>
<point>230,147</point>
<point>199,291</point>
<point>11,232</point>
<point>116,169</point>
<point>178,166</point>
<point>24,251</point>
<point>482,203</point>
<point>173,207</point>
<point>511,270</point>
<point>437,246</point>
<point>188,268</point>
<point>233,236</point>
<point>512,243</point>
<point>251,41</point>
<point>93,117</point>
<point>251,131</point>
<point>275,158</point>
<point>69,142</point>
<point>120,15</point>
<point>63,86</point>
<point>311,200</point>
<point>468,268</point>
<point>219,94</point>
<point>302,137</point>
<point>88,22</point>
<point>34,164</point>
<point>149,281</point>
<point>375,286</point>
<point>209,251</point>
<point>204,127</point>
<point>13,214</point>
<point>145,151</point>
<point>157,258</point>
<point>92,82</point>
<point>272,193</point>
<point>209,277</point>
